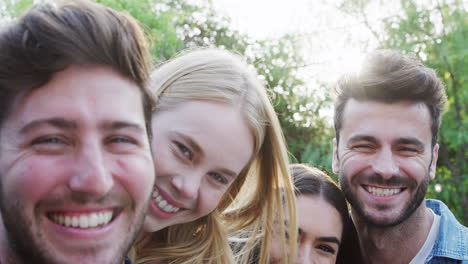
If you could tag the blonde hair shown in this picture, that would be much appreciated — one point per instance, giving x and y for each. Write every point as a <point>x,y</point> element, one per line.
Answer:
<point>255,199</point>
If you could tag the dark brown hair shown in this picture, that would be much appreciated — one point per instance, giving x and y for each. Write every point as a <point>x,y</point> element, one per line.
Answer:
<point>388,76</point>
<point>49,38</point>
<point>312,181</point>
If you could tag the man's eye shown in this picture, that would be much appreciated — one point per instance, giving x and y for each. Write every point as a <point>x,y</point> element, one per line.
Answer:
<point>121,139</point>
<point>184,150</point>
<point>326,248</point>
<point>50,144</point>
<point>48,140</point>
<point>413,150</point>
<point>218,177</point>
<point>362,147</point>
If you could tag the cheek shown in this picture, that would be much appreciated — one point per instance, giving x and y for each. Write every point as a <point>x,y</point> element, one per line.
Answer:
<point>354,164</point>
<point>36,177</point>
<point>164,162</point>
<point>414,168</point>
<point>325,259</point>
<point>135,175</point>
<point>209,199</point>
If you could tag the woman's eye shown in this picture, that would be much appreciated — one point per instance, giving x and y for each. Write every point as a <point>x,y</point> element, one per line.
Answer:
<point>218,177</point>
<point>326,248</point>
<point>185,151</point>
<point>300,232</point>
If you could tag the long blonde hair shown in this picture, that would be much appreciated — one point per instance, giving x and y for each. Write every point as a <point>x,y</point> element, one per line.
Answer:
<point>258,195</point>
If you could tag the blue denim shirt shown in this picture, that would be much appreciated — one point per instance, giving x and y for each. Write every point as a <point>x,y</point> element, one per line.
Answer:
<point>451,246</point>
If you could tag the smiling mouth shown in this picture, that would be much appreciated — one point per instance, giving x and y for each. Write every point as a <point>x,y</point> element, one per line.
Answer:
<point>382,191</point>
<point>82,220</point>
<point>163,204</point>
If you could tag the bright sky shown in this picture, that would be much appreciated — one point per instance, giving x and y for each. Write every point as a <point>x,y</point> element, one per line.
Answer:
<point>333,42</point>
<point>276,17</point>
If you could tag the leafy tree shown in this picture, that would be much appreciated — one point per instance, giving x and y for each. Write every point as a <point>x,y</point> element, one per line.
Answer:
<point>174,25</point>
<point>177,25</point>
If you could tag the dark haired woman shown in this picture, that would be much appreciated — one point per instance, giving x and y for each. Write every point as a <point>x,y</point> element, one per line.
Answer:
<point>326,233</point>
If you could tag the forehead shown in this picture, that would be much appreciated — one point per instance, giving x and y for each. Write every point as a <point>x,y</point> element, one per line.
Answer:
<point>219,128</point>
<point>399,119</point>
<point>203,118</point>
<point>311,207</point>
<point>82,93</point>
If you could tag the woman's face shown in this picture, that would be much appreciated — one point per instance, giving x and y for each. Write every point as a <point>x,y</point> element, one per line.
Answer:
<point>199,149</point>
<point>320,232</point>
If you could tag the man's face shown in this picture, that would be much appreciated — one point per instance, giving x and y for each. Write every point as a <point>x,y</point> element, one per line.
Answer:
<point>76,171</point>
<point>385,159</point>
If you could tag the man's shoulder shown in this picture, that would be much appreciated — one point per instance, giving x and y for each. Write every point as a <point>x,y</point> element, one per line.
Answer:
<point>452,239</point>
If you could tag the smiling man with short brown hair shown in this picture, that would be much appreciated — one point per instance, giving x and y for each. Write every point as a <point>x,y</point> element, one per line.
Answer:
<point>387,119</point>
<point>76,169</point>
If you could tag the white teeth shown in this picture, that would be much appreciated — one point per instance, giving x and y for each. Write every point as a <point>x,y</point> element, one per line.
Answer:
<point>163,204</point>
<point>383,192</point>
<point>84,221</point>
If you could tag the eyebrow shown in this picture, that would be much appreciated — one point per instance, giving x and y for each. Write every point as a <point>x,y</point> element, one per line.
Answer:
<point>410,141</point>
<point>64,124</point>
<point>57,122</point>
<point>329,239</point>
<point>116,125</point>
<point>357,138</point>
<point>401,141</point>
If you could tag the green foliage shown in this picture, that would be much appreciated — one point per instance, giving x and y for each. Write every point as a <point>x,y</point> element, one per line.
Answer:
<point>159,20</point>
<point>12,8</point>
<point>177,25</point>
<point>174,25</point>
<point>308,135</point>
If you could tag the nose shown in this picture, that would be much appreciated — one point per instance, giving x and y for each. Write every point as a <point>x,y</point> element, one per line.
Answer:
<point>304,255</point>
<point>187,184</point>
<point>384,164</point>
<point>91,176</point>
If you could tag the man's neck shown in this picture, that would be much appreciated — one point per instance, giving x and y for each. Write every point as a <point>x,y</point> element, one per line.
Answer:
<point>397,244</point>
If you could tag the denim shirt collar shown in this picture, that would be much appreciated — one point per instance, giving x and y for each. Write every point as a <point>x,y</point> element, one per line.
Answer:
<point>452,240</point>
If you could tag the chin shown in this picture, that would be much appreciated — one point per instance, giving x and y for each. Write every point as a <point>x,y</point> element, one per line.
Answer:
<point>152,224</point>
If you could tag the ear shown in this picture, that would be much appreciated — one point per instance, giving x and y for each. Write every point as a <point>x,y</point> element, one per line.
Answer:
<point>432,168</point>
<point>335,160</point>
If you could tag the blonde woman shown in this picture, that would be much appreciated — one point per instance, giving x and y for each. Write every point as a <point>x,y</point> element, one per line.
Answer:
<point>220,161</point>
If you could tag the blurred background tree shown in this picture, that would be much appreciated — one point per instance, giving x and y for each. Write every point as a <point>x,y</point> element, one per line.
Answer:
<point>435,32</point>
